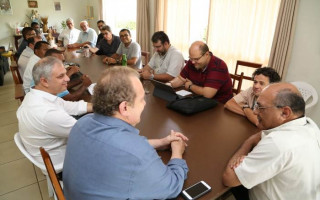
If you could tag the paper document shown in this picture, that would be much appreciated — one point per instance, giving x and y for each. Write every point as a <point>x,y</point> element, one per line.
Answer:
<point>183,93</point>
<point>90,88</point>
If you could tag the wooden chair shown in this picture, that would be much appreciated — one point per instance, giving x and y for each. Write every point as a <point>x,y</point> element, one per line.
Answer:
<point>18,88</point>
<point>52,174</point>
<point>146,56</point>
<point>238,78</point>
<point>246,64</point>
<point>15,73</point>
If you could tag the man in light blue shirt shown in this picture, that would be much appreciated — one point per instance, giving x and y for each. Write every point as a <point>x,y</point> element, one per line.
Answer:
<point>106,158</point>
<point>87,36</point>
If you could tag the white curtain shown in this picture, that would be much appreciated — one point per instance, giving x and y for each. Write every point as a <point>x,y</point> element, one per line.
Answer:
<point>242,30</point>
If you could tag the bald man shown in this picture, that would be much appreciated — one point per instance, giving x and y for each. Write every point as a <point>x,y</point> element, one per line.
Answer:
<point>87,36</point>
<point>282,161</point>
<point>205,74</point>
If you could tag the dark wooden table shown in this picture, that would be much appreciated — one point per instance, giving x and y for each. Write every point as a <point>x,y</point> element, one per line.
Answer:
<point>214,135</point>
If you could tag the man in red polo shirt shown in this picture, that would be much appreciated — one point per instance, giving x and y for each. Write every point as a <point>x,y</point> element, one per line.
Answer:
<point>205,74</point>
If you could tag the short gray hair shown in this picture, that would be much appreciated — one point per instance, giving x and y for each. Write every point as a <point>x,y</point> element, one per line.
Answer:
<point>69,19</point>
<point>287,97</point>
<point>43,68</point>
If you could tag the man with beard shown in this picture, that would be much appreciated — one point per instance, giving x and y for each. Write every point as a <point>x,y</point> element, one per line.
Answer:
<point>166,63</point>
<point>243,103</point>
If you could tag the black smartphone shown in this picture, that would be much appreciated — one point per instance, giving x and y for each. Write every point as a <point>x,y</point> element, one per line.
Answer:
<point>195,191</point>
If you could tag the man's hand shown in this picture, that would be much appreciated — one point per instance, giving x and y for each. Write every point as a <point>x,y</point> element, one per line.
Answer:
<point>187,84</point>
<point>236,162</point>
<point>72,70</point>
<point>109,60</point>
<point>146,74</point>
<point>177,147</point>
<point>86,80</point>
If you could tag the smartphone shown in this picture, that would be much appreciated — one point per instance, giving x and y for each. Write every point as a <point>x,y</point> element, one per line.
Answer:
<point>195,191</point>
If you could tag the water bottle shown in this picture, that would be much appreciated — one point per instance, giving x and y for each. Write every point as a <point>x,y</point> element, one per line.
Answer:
<point>124,60</point>
<point>86,52</point>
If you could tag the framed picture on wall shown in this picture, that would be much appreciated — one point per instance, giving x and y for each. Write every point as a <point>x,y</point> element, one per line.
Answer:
<point>32,4</point>
<point>5,7</point>
<point>57,6</point>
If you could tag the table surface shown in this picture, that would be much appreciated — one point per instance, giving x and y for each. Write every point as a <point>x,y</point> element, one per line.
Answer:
<point>214,135</point>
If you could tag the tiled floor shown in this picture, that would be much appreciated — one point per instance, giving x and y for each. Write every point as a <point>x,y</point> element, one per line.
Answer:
<point>20,179</point>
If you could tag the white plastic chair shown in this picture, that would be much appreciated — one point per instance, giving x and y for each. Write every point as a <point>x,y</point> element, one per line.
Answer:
<point>307,91</point>
<point>17,140</point>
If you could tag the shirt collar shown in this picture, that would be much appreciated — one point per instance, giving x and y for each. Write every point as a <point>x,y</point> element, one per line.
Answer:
<point>302,121</point>
<point>43,94</point>
<point>112,121</point>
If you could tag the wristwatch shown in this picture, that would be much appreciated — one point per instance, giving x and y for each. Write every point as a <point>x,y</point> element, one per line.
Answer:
<point>189,88</point>
<point>245,106</point>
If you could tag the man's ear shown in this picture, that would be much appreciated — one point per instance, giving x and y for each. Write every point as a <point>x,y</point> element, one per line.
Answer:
<point>44,82</point>
<point>286,112</point>
<point>123,108</point>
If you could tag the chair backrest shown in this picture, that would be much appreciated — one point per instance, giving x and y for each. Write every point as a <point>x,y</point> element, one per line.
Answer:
<point>17,140</point>
<point>146,56</point>
<point>307,91</point>
<point>52,174</point>
<point>238,78</point>
<point>245,64</point>
<point>15,73</point>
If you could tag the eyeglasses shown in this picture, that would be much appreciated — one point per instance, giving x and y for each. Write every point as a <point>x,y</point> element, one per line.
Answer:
<point>125,35</point>
<point>196,59</point>
<point>258,107</point>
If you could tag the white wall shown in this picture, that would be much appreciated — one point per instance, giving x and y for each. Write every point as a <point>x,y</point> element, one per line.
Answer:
<point>305,58</point>
<point>75,9</point>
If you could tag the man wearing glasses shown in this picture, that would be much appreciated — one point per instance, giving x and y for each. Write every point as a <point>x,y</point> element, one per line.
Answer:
<point>282,161</point>
<point>205,74</point>
<point>243,102</point>
<point>130,48</point>
<point>166,63</point>
<point>27,33</point>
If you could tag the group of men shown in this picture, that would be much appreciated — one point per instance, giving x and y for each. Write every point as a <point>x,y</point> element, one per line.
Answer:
<point>104,157</point>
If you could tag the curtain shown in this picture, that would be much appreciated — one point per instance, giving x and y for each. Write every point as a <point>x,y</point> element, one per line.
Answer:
<point>283,37</point>
<point>173,17</point>
<point>242,30</point>
<point>143,24</point>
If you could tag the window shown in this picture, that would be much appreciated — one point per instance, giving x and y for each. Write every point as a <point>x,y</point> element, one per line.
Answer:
<point>120,14</point>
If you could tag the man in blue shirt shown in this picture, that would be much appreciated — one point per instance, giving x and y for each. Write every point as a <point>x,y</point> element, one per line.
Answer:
<point>87,36</point>
<point>106,158</point>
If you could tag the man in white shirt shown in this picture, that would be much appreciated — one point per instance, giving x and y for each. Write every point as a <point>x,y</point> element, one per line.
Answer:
<point>69,35</point>
<point>282,161</point>
<point>44,118</point>
<point>87,36</point>
<point>40,49</point>
<point>26,54</point>
<point>166,63</point>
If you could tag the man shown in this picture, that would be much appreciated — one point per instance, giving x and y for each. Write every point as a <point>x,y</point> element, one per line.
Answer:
<point>243,103</point>
<point>40,49</point>
<point>87,36</point>
<point>128,47</point>
<point>27,53</point>
<point>107,154</point>
<point>109,43</point>
<point>27,33</point>
<point>282,161</point>
<point>69,35</point>
<point>166,63</point>
<point>205,74</point>
<point>71,71</point>
<point>36,26</point>
<point>44,119</point>
<point>100,24</point>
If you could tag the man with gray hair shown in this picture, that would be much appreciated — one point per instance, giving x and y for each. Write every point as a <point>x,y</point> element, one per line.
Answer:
<point>282,161</point>
<point>122,164</point>
<point>69,35</point>
<point>87,36</point>
<point>44,118</point>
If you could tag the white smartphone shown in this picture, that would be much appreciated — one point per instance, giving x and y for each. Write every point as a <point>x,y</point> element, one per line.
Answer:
<point>195,191</point>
